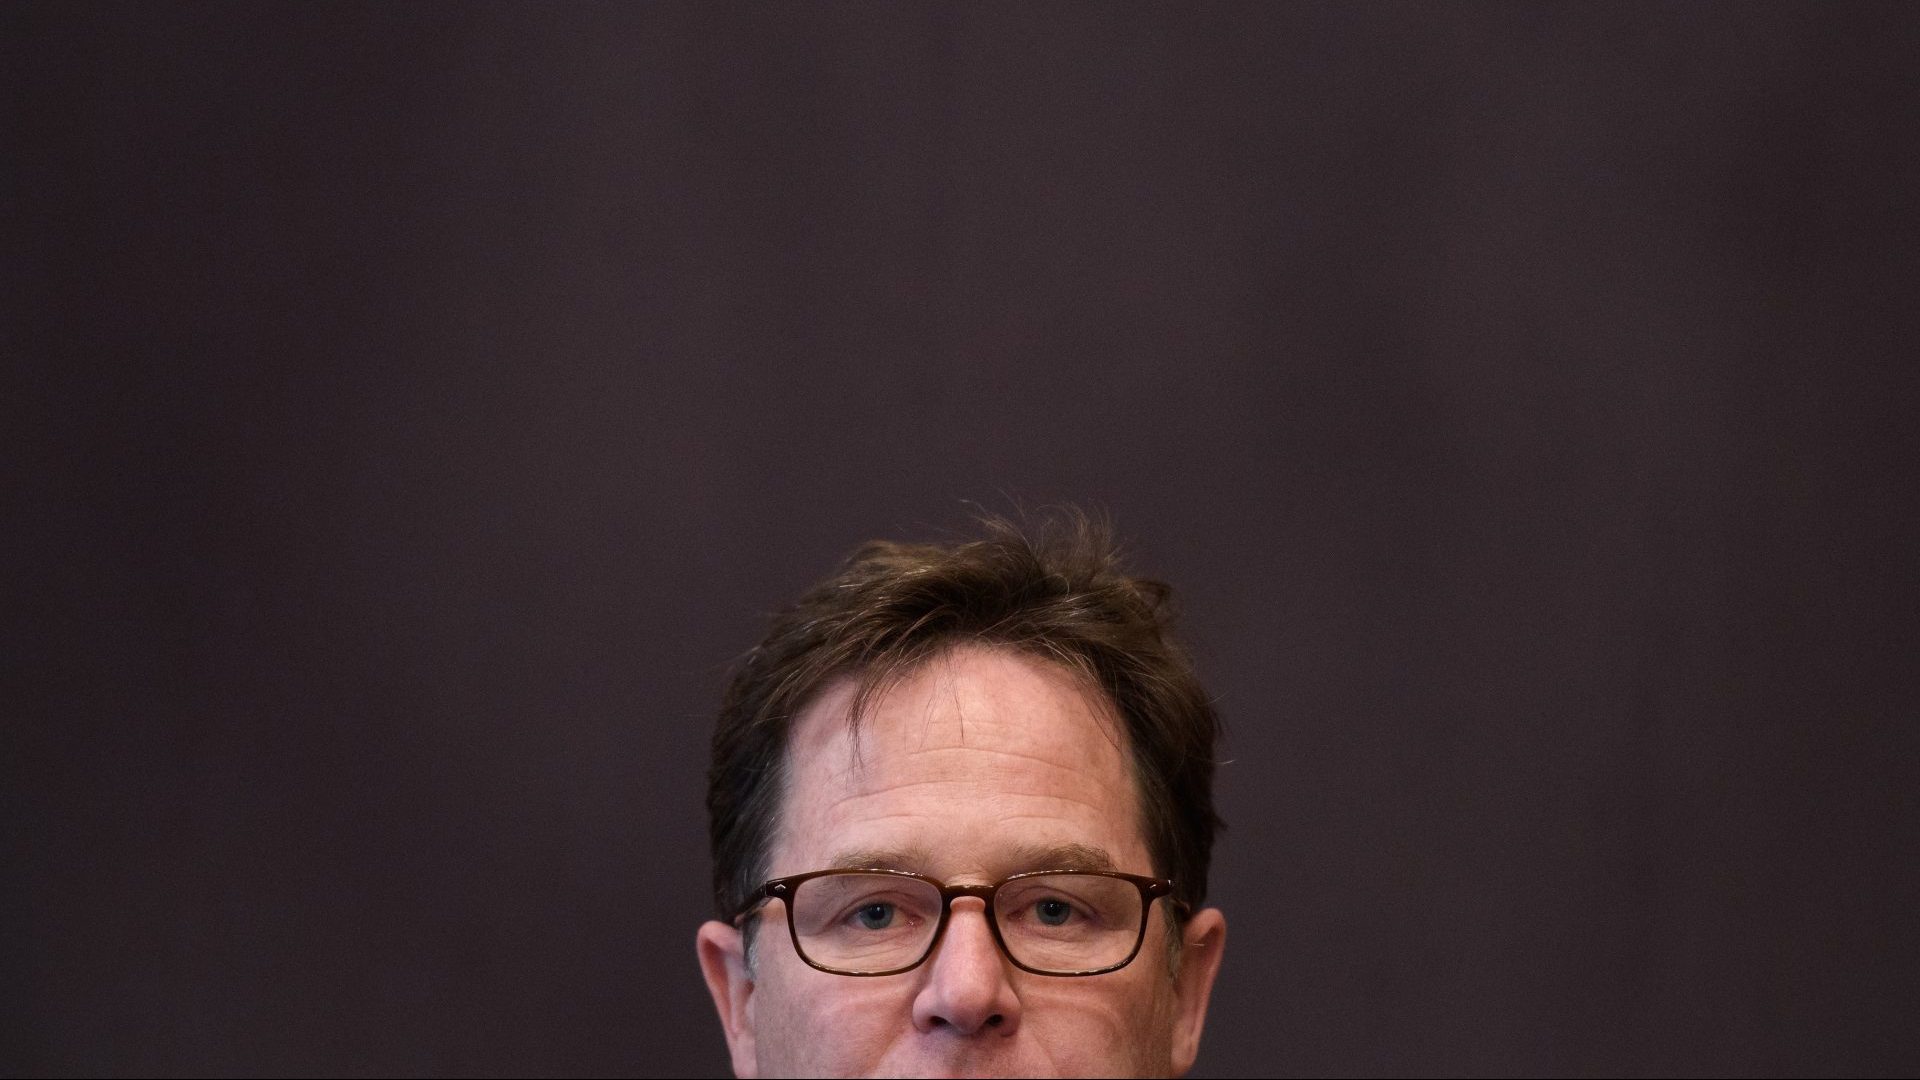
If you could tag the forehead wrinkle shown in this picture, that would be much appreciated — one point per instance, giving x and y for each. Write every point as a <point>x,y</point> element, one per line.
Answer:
<point>942,782</point>
<point>865,756</point>
<point>1040,810</point>
<point>968,755</point>
<point>1003,802</point>
<point>1078,786</point>
<point>1080,791</point>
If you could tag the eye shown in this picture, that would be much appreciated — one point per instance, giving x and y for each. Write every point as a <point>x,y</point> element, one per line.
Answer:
<point>875,916</point>
<point>1053,912</point>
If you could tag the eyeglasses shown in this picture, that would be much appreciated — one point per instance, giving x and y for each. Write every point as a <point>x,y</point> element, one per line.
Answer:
<point>884,922</point>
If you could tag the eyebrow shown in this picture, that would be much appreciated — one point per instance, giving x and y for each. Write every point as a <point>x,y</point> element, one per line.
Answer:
<point>1025,857</point>
<point>908,859</point>
<point>1062,857</point>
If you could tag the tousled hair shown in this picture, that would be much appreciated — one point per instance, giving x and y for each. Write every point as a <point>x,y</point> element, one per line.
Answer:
<point>1055,591</point>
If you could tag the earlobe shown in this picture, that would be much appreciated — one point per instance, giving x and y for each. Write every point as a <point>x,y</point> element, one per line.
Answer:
<point>1203,940</point>
<point>723,961</point>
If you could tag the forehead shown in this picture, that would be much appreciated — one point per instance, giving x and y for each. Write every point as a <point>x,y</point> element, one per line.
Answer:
<point>965,766</point>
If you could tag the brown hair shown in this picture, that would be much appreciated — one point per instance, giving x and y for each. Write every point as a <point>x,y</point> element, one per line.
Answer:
<point>1055,592</point>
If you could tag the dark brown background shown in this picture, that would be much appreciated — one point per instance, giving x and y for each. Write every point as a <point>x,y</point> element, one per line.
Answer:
<point>412,409</point>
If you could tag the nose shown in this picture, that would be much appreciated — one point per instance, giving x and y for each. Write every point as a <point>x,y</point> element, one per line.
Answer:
<point>967,989</point>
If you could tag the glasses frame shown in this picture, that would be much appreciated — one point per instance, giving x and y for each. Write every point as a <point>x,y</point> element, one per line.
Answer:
<point>783,889</point>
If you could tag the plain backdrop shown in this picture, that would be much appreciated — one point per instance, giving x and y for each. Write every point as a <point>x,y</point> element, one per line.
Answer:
<point>410,410</point>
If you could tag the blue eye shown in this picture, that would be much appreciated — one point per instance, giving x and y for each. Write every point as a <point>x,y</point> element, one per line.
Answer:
<point>1053,912</point>
<point>875,916</point>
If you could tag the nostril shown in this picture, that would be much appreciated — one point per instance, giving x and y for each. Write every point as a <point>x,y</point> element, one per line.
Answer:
<point>996,1020</point>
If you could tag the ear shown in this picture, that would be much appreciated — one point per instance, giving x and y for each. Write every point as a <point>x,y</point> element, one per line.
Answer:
<point>1203,940</point>
<point>723,960</point>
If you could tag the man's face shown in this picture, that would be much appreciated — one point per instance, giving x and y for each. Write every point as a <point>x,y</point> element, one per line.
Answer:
<point>981,764</point>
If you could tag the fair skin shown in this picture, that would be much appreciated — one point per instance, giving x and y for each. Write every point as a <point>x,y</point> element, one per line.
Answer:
<point>981,763</point>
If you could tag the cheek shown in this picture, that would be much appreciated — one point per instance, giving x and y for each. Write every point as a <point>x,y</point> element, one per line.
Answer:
<point>1102,1028</point>
<point>1105,1005</point>
<point>793,1008</point>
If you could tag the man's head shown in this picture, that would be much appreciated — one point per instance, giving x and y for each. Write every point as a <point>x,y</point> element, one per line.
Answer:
<point>966,714</point>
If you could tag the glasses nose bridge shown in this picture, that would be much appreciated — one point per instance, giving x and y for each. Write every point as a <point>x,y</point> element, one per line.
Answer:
<point>950,893</point>
<point>982,893</point>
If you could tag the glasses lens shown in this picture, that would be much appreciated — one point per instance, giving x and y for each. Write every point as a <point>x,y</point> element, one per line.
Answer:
<point>1069,922</point>
<point>865,922</point>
